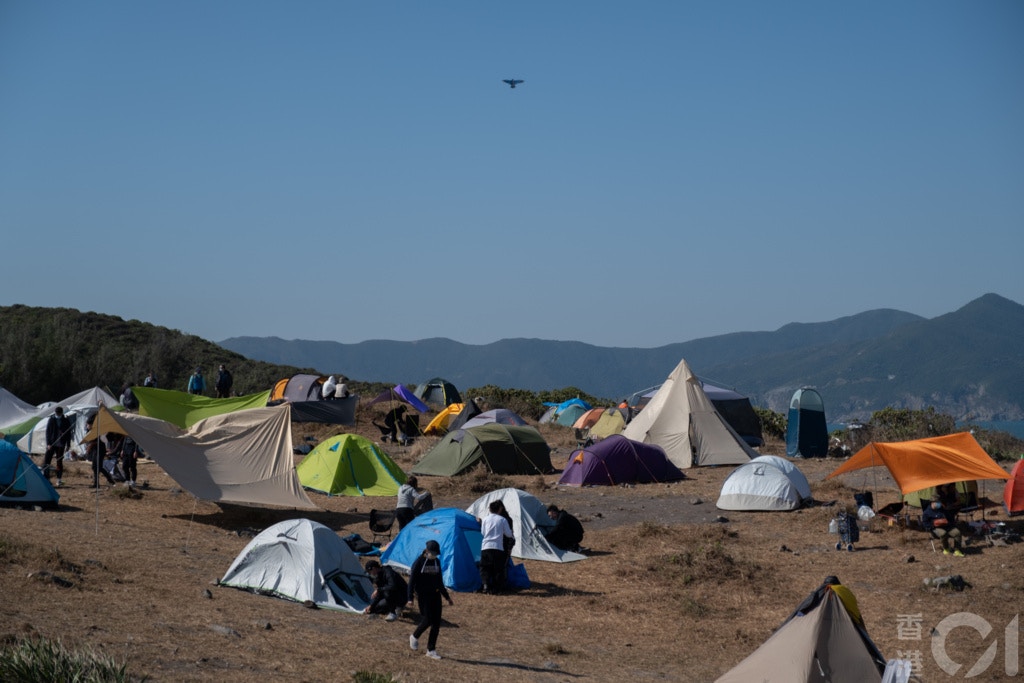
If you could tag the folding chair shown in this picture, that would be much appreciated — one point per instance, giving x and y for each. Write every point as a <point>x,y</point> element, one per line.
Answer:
<point>381,522</point>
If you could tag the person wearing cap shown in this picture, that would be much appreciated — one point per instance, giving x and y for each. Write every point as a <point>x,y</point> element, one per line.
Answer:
<point>58,439</point>
<point>426,582</point>
<point>941,523</point>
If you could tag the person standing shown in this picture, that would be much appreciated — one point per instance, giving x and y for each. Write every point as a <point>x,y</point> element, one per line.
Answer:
<point>197,383</point>
<point>58,439</point>
<point>224,382</point>
<point>493,558</point>
<point>426,582</point>
<point>409,496</point>
<point>130,460</point>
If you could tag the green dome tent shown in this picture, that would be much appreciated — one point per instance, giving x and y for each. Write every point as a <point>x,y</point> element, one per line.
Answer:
<point>504,449</point>
<point>350,465</point>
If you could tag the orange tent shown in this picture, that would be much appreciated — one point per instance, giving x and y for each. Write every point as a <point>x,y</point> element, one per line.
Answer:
<point>918,464</point>
<point>1013,494</point>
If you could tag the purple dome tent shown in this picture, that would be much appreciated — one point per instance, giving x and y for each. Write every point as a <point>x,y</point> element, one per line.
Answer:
<point>618,460</point>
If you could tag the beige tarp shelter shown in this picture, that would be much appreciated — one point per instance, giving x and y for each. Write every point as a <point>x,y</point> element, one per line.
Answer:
<point>243,457</point>
<point>682,420</point>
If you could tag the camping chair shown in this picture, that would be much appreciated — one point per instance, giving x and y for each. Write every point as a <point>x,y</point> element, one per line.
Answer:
<point>381,522</point>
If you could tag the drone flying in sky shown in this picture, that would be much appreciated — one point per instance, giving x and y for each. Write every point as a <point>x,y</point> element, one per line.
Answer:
<point>512,82</point>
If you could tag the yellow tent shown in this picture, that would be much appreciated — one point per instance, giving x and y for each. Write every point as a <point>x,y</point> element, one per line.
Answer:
<point>439,425</point>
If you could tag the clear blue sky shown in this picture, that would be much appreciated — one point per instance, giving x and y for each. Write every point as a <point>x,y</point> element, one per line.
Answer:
<point>346,170</point>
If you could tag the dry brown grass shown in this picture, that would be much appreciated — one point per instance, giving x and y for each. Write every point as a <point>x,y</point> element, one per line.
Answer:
<point>669,593</point>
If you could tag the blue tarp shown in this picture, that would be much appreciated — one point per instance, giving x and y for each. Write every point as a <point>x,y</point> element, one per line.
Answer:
<point>400,393</point>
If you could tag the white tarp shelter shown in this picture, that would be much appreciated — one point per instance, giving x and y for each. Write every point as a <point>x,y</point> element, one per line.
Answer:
<point>77,408</point>
<point>302,560</point>
<point>13,410</point>
<point>682,420</point>
<point>529,521</point>
<point>244,457</point>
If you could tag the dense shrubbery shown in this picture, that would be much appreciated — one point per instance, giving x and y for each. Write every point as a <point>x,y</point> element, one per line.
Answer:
<point>773,425</point>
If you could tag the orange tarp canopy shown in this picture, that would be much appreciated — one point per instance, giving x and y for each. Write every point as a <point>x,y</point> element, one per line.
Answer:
<point>923,463</point>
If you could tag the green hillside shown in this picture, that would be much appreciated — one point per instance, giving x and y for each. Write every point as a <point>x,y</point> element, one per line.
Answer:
<point>50,353</point>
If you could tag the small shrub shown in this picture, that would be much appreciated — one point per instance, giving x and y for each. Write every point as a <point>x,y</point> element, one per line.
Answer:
<point>33,660</point>
<point>373,677</point>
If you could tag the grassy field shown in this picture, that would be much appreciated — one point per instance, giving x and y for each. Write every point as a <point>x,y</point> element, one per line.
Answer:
<point>675,590</point>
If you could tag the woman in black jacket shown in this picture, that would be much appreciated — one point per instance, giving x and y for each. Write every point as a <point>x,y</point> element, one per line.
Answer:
<point>426,582</point>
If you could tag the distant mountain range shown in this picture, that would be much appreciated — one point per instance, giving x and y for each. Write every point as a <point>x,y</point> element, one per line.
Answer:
<point>968,363</point>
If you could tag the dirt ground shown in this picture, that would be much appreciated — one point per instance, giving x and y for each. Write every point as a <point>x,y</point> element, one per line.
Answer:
<point>674,589</point>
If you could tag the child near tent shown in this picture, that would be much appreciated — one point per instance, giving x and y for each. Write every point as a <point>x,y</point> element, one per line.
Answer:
<point>426,582</point>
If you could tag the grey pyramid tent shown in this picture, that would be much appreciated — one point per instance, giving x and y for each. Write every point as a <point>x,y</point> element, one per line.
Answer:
<point>438,391</point>
<point>302,560</point>
<point>681,419</point>
<point>504,449</point>
<point>823,641</point>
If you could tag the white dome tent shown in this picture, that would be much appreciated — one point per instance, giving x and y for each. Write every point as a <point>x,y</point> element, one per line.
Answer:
<point>767,482</point>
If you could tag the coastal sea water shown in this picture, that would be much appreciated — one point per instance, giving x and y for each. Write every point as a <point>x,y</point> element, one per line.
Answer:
<point>1015,427</point>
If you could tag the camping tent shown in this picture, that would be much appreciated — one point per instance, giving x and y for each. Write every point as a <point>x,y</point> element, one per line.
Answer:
<point>618,460</point>
<point>823,641</point>
<point>1013,493</point>
<point>966,495</point>
<point>301,387</point>
<point>470,409</point>
<point>438,391</point>
<point>30,435</point>
<point>302,560</point>
<point>498,415</point>
<point>736,409</point>
<point>21,481</point>
<point>602,422</point>
<point>921,463</point>
<point>504,449</point>
<point>767,482</point>
<point>529,522</point>
<point>350,465</point>
<point>333,411</point>
<point>243,457</point>
<point>79,407</point>
<point>184,410</point>
<point>458,534</point>
<point>564,413</point>
<point>681,419</point>
<point>439,425</point>
<point>806,429</point>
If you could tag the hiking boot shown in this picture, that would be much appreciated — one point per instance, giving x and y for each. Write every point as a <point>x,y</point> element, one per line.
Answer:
<point>945,551</point>
<point>414,643</point>
<point>433,654</point>
<point>959,553</point>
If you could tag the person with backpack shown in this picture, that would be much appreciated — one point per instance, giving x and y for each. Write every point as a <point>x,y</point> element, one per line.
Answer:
<point>426,582</point>
<point>197,383</point>
<point>224,382</point>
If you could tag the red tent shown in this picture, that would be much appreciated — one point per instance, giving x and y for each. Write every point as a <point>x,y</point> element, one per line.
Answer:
<point>1013,494</point>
